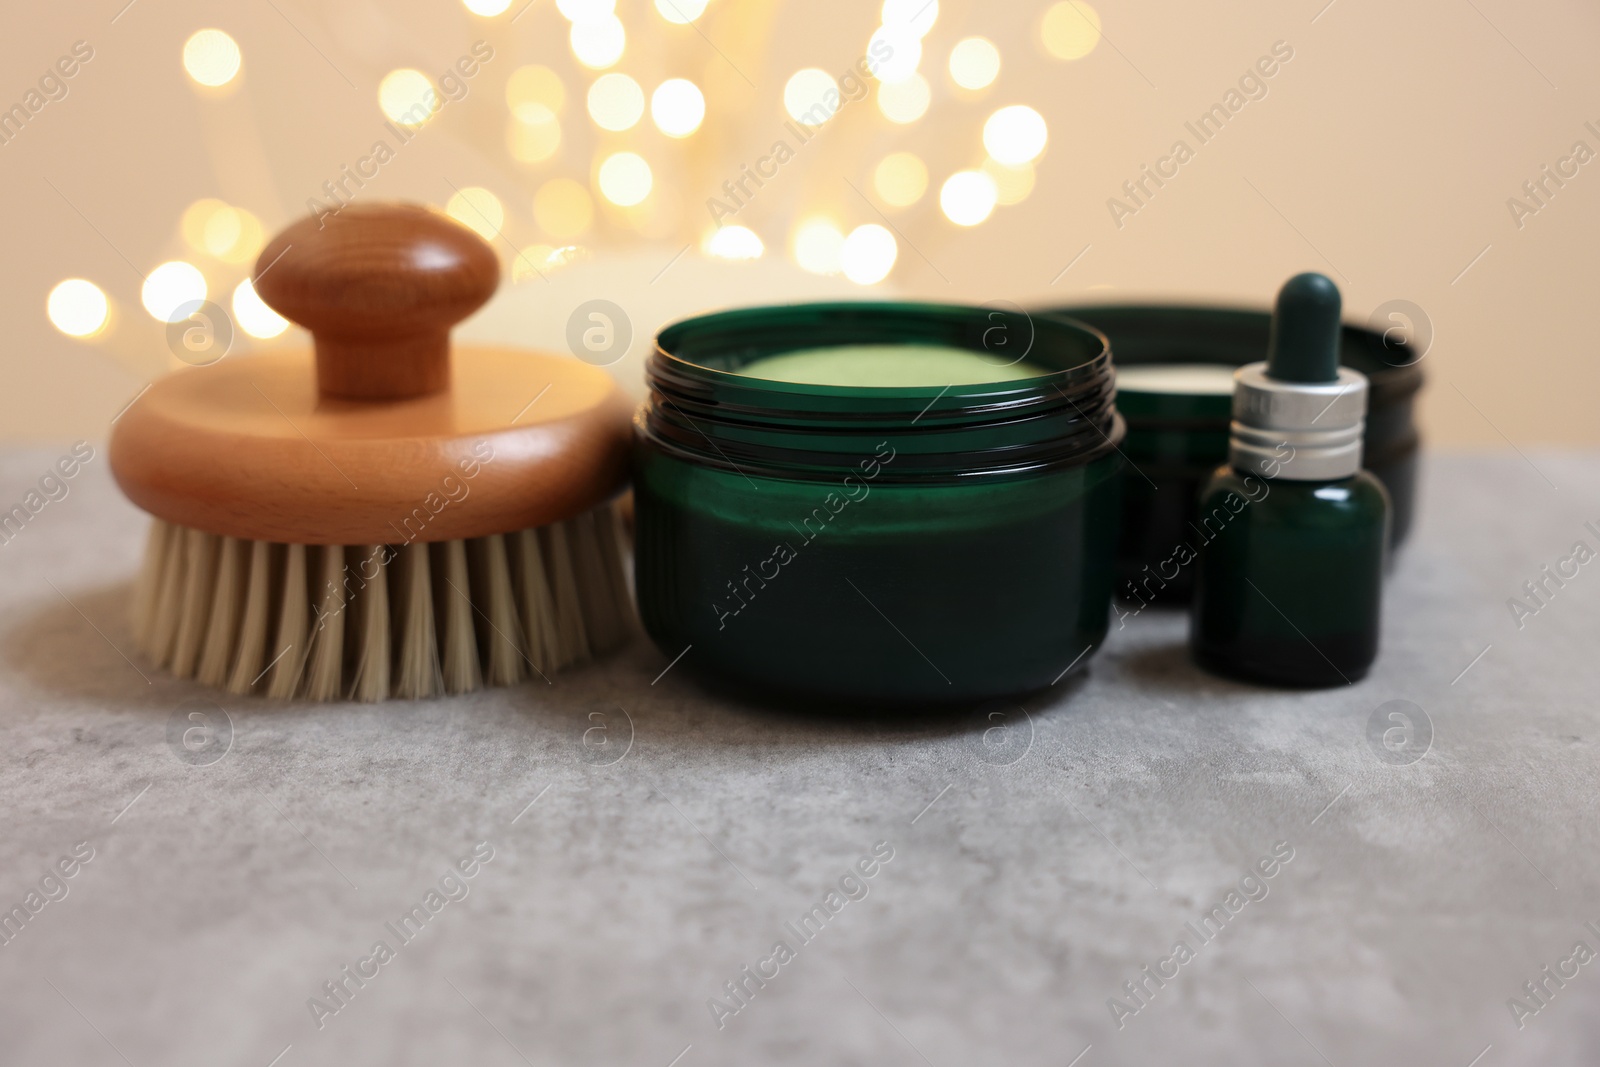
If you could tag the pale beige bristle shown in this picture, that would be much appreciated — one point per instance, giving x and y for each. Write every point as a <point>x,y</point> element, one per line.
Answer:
<point>605,621</point>
<point>372,653</point>
<point>495,594</point>
<point>222,621</point>
<point>148,589</point>
<point>326,665</point>
<point>294,624</point>
<point>199,577</point>
<point>423,620</point>
<point>416,672</point>
<point>249,656</point>
<point>536,603</point>
<point>571,641</point>
<point>168,602</point>
<point>458,638</point>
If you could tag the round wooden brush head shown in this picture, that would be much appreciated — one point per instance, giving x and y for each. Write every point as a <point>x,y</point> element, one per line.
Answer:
<point>381,434</point>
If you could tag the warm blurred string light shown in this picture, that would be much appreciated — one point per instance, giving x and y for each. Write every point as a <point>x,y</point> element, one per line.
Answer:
<point>817,244</point>
<point>534,135</point>
<point>223,231</point>
<point>805,90</point>
<point>900,179</point>
<point>253,315</point>
<point>586,10</point>
<point>905,101</point>
<point>868,254</point>
<point>1015,135</point>
<point>535,95</point>
<point>211,57</point>
<point>968,197</point>
<point>408,97</point>
<point>904,50</point>
<point>915,16</point>
<point>562,208</point>
<point>616,102</point>
<point>531,262</point>
<point>478,209</point>
<point>678,107</point>
<point>541,261</point>
<point>171,286</point>
<point>1070,30</point>
<point>681,11</point>
<point>78,308</point>
<point>974,63</point>
<point>600,43</point>
<point>536,86</point>
<point>1012,184</point>
<point>733,242</point>
<point>487,8</point>
<point>625,178</point>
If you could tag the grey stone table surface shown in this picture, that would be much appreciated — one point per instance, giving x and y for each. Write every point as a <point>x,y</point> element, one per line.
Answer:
<point>1024,869</point>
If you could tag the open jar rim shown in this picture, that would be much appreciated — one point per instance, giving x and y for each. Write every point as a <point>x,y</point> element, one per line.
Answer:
<point>703,409</point>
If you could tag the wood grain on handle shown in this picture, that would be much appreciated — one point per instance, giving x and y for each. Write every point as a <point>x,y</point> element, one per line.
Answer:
<point>379,286</point>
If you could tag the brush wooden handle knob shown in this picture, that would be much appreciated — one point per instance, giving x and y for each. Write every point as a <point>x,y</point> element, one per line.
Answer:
<point>379,287</point>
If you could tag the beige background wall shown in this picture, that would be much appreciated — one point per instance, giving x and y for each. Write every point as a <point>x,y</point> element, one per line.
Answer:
<point>1384,154</point>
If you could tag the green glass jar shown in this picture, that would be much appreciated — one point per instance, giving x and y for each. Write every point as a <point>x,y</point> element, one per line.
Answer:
<point>888,544</point>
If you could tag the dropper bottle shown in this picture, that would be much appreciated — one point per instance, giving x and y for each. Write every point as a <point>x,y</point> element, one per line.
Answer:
<point>1293,531</point>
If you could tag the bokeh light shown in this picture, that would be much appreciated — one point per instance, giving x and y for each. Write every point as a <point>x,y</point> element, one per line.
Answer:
<point>407,96</point>
<point>1015,135</point>
<point>478,209</point>
<point>171,286</point>
<point>900,179</point>
<point>487,8</point>
<point>916,16</point>
<point>733,242</point>
<point>253,315</point>
<point>537,87</point>
<point>616,102</point>
<point>625,179</point>
<point>805,96</point>
<point>1012,184</point>
<point>905,101</point>
<point>534,135</point>
<point>211,57</point>
<point>586,10</point>
<point>600,43</point>
<point>220,230</point>
<point>968,197</point>
<point>868,254</point>
<point>974,63</point>
<point>817,244</point>
<point>681,11</point>
<point>1071,29</point>
<point>563,208</point>
<point>678,107</point>
<point>78,308</point>
<point>904,51</point>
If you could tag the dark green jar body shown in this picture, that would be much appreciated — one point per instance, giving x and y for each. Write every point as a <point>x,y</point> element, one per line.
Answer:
<point>885,544</point>
<point>1289,579</point>
<point>861,589</point>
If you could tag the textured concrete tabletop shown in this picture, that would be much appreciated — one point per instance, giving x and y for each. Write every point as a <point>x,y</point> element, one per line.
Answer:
<point>1021,872</point>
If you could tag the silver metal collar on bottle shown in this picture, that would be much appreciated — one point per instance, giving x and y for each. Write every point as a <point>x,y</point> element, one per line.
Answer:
<point>1303,431</point>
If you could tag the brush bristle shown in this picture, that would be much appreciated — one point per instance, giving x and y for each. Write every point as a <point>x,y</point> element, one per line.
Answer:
<point>369,622</point>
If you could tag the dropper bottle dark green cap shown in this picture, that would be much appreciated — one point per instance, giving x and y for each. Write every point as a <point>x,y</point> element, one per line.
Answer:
<point>1304,346</point>
<point>1293,531</point>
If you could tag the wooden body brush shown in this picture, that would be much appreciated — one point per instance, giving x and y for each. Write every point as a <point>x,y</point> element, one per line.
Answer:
<point>377,518</point>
